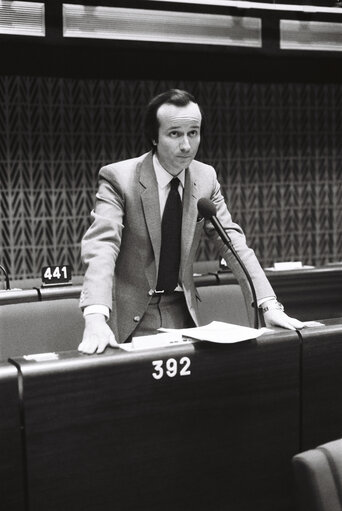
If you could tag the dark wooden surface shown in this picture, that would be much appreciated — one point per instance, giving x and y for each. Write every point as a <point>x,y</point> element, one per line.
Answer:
<point>306,293</point>
<point>12,497</point>
<point>103,434</point>
<point>322,384</point>
<point>311,293</point>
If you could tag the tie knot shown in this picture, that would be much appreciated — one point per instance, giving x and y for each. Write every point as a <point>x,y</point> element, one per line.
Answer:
<point>174,183</point>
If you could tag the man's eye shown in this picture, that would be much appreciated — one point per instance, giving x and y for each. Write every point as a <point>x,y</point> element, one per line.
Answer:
<point>173,134</point>
<point>193,133</point>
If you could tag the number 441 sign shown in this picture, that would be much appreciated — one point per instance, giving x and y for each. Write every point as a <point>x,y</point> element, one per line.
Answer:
<point>56,274</point>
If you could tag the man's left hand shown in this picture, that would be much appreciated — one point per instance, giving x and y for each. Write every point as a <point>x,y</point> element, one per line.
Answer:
<point>276,317</point>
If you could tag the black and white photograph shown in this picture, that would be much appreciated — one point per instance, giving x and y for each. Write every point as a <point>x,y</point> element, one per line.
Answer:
<point>171,255</point>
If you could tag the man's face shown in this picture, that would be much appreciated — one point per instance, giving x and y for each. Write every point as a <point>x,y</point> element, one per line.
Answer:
<point>178,136</point>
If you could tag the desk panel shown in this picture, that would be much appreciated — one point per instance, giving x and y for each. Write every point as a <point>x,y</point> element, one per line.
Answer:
<point>102,432</point>
<point>322,384</point>
<point>11,452</point>
<point>306,293</point>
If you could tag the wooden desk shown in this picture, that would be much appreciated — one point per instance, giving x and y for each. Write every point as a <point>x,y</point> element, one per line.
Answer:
<point>103,433</point>
<point>12,487</point>
<point>321,384</point>
<point>306,293</point>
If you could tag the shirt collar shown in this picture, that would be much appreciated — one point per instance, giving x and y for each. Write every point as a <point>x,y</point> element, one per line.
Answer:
<point>162,175</point>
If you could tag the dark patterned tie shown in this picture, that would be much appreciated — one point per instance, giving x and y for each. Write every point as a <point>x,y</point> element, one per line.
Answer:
<point>170,240</point>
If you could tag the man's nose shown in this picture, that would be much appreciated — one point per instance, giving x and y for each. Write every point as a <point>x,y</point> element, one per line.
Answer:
<point>185,144</point>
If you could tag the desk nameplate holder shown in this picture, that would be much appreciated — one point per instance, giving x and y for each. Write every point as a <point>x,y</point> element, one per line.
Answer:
<point>56,276</point>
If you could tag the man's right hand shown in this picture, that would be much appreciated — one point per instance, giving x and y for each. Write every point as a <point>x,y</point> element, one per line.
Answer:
<point>97,335</point>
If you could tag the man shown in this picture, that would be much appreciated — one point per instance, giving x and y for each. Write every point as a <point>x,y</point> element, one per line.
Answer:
<point>139,250</point>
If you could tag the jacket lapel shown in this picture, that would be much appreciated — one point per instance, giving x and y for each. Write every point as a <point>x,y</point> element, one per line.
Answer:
<point>190,199</point>
<point>150,204</point>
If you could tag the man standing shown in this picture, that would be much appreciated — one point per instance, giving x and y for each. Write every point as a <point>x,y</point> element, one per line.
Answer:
<point>139,250</point>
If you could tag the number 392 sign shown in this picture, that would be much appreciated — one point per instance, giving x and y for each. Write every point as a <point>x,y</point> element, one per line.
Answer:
<point>171,368</point>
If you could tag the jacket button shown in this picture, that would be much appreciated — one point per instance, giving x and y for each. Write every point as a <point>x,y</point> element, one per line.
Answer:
<point>136,319</point>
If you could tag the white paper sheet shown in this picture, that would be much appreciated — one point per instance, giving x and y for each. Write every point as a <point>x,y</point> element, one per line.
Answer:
<point>289,265</point>
<point>220,332</point>
<point>162,340</point>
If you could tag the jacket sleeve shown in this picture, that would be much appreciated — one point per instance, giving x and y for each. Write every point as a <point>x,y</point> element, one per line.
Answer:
<point>100,245</point>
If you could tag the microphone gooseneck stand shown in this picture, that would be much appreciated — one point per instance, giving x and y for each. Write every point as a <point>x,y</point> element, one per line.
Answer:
<point>207,209</point>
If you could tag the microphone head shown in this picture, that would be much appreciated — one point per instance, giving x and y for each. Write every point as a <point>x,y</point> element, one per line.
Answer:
<point>206,208</point>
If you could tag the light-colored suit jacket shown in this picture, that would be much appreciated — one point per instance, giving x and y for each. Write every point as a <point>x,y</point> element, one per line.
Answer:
<point>121,248</point>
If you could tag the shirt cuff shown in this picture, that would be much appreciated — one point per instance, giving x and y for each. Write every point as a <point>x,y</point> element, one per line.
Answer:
<point>263,300</point>
<point>96,309</point>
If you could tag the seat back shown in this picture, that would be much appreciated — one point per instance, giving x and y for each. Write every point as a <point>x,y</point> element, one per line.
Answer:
<point>223,303</point>
<point>318,476</point>
<point>38,327</point>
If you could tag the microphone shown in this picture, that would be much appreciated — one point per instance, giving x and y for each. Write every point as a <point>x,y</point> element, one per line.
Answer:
<point>207,209</point>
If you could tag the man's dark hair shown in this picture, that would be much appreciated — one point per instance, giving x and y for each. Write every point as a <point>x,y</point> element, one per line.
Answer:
<point>175,97</point>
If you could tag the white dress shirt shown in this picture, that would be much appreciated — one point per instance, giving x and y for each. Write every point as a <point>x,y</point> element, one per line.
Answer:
<point>164,179</point>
